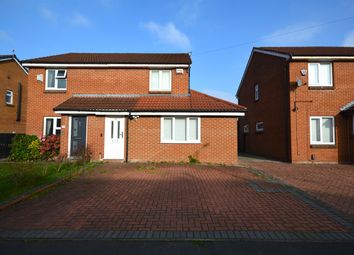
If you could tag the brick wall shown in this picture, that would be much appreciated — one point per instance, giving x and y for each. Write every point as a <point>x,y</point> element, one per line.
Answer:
<point>218,142</point>
<point>89,81</point>
<point>272,108</point>
<point>10,75</point>
<point>320,102</point>
<point>217,145</point>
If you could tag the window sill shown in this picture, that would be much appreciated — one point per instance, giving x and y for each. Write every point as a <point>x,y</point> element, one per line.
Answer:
<point>9,105</point>
<point>160,92</point>
<point>323,146</point>
<point>175,142</point>
<point>54,91</point>
<point>321,87</point>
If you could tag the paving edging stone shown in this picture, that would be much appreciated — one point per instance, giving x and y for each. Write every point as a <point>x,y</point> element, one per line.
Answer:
<point>177,236</point>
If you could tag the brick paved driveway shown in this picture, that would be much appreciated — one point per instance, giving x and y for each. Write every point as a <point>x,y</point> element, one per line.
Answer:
<point>330,183</point>
<point>133,197</point>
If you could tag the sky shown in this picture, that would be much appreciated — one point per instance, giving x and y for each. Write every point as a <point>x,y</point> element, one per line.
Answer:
<point>219,34</point>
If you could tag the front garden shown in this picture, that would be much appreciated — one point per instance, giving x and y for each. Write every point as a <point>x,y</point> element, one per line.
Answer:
<point>34,163</point>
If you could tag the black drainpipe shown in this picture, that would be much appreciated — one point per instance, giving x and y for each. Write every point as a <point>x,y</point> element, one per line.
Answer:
<point>127,137</point>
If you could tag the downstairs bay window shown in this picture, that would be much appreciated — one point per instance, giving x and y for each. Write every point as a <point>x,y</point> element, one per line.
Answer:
<point>322,130</point>
<point>52,126</point>
<point>180,130</point>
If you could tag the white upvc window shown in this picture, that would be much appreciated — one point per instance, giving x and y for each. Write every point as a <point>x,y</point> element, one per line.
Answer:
<point>320,74</point>
<point>52,126</point>
<point>55,79</point>
<point>160,80</point>
<point>322,130</point>
<point>259,127</point>
<point>9,97</point>
<point>256,92</point>
<point>180,130</point>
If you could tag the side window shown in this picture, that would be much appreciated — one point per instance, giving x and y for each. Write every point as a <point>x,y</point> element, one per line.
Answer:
<point>256,92</point>
<point>9,97</point>
<point>259,127</point>
<point>52,126</point>
<point>320,74</point>
<point>55,79</point>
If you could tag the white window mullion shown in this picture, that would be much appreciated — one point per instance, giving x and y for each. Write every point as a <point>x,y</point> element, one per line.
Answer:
<point>187,131</point>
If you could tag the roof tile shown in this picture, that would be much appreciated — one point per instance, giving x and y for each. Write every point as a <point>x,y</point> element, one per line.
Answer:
<point>195,102</point>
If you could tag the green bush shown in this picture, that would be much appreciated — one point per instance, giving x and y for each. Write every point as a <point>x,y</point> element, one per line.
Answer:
<point>193,160</point>
<point>25,148</point>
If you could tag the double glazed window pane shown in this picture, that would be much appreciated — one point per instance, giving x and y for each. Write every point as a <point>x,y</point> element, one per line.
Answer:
<point>193,129</point>
<point>154,80</point>
<point>167,123</point>
<point>61,83</point>
<point>315,130</point>
<point>165,80</point>
<point>181,130</point>
<point>51,79</point>
<point>49,127</point>
<point>325,70</point>
<point>327,130</point>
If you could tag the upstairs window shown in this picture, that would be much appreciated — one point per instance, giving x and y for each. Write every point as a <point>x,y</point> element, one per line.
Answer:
<point>322,130</point>
<point>160,80</point>
<point>56,80</point>
<point>9,97</point>
<point>320,74</point>
<point>256,92</point>
<point>52,126</point>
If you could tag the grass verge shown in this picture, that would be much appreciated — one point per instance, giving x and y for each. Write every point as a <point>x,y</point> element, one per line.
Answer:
<point>17,178</point>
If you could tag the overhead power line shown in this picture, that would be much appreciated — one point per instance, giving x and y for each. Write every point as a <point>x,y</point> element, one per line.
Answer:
<point>273,36</point>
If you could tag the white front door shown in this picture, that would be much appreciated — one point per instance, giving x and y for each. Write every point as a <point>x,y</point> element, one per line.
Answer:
<point>114,138</point>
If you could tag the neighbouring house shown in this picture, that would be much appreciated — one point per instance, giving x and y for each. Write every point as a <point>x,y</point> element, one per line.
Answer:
<point>300,104</point>
<point>132,107</point>
<point>13,90</point>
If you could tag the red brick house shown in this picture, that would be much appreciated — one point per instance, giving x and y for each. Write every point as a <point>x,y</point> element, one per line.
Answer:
<point>299,104</point>
<point>132,107</point>
<point>13,90</point>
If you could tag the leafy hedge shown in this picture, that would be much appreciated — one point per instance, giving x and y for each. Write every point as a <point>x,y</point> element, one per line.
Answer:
<point>25,148</point>
<point>30,148</point>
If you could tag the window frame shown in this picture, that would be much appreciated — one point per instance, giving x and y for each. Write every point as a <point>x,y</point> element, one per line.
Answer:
<point>321,138</point>
<point>246,128</point>
<point>160,79</point>
<point>256,92</point>
<point>11,97</point>
<point>320,80</point>
<point>187,129</point>
<point>56,78</point>
<point>55,128</point>
<point>258,130</point>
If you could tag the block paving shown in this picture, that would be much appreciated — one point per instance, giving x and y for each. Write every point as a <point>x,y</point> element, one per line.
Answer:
<point>171,201</point>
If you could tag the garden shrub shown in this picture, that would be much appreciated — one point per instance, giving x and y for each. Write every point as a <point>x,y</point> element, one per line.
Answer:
<point>50,147</point>
<point>25,148</point>
<point>193,160</point>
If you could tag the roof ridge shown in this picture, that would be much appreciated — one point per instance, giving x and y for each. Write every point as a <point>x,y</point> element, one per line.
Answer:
<point>218,99</point>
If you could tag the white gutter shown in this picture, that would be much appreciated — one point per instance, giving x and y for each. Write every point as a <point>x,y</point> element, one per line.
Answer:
<point>225,114</point>
<point>107,65</point>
